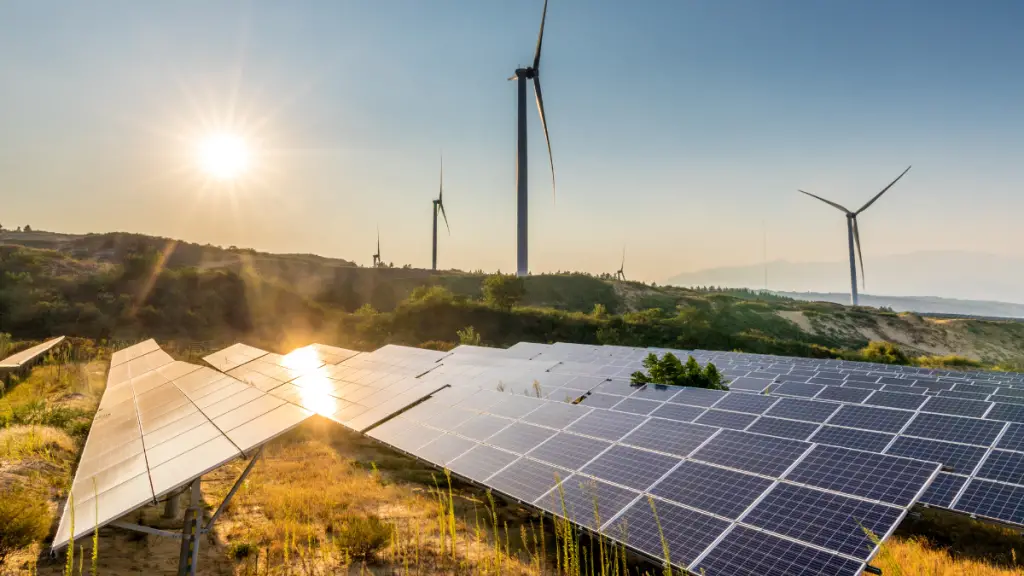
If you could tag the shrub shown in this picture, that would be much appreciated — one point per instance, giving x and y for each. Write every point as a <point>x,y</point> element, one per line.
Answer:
<point>468,336</point>
<point>241,550</point>
<point>504,291</point>
<point>439,345</point>
<point>362,537</point>
<point>950,361</point>
<point>883,353</point>
<point>668,370</point>
<point>24,519</point>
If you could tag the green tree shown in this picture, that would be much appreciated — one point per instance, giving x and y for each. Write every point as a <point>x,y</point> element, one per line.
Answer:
<point>504,291</point>
<point>884,353</point>
<point>669,371</point>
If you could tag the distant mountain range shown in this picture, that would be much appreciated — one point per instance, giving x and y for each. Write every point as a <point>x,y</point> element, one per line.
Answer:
<point>967,283</point>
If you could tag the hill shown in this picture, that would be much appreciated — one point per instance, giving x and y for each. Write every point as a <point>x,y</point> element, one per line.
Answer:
<point>921,304</point>
<point>126,286</point>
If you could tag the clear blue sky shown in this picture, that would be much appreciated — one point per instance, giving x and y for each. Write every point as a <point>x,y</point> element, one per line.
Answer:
<point>677,126</point>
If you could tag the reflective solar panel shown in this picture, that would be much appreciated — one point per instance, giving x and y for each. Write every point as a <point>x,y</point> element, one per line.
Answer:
<point>751,452</point>
<point>824,518</point>
<point>871,418</point>
<point>748,403</point>
<point>669,436</point>
<point>520,437</point>
<point>716,490</point>
<point>954,429</point>
<point>956,406</point>
<point>606,425</point>
<point>775,557</point>
<point>527,479</point>
<point>840,394</point>
<point>556,414</point>
<point>686,532</point>
<point>630,467</point>
<point>961,458</point>
<point>586,501</point>
<point>1007,412</point>
<point>896,400</point>
<point>1013,438</point>
<point>599,400</point>
<point>806,410</point>
<point>800,389</point>
<point>1003,465</point>
<point>878,477</point>
<point>481,462</point>
<point>755,385</point>
<point>783,428</point>
<point>679,412</point>
<point>992,500</point>
<point>723,419</point>
<point>444,449</point>
<point>637,406</point>
<point>569,450</point>
<point>698,397</point>
<point>481,427</point>
<point>852,438</point>
<point>942,491</point>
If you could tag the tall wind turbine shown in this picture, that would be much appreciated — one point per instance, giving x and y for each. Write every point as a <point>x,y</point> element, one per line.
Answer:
<point>620,275</point>
<point>439,206</point>
<point>376,257</point>
<point>521,76</point>
<point>854,235</point>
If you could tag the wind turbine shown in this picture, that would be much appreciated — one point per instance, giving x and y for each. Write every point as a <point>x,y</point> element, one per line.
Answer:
<point>439,205</point>
<point>854,235</point>
<point>620,275</point>
<point>376,257</point>
<point>521,76</point>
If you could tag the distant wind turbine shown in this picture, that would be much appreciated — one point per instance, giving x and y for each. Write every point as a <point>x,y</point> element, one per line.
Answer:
<point>439,206</point>
<point>620,275</point>
<point>854,235</point>
<point>522,75</point>
<point>376,257</point>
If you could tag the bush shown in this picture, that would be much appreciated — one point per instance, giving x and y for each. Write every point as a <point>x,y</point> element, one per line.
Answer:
<point>241,550</point>
<point>883,353</point>
<point>668,370</point>
<point>439,345</point>
<point>362,537</point>
<point>24,519</point>
<point>504,291</point>
<point>950,361</point>
<point>468,336</point>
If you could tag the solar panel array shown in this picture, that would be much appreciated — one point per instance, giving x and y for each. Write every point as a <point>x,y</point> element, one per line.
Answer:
<point>712,488</point>
<point>20,359</point>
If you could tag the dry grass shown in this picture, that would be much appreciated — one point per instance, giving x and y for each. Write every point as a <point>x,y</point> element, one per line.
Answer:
<point>916,557</point>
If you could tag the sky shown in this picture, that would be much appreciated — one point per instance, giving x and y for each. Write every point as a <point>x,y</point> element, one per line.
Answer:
<point>681,130</point>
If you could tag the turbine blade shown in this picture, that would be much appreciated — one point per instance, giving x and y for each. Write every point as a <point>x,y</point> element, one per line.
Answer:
<point>513,77</point>
<point>877,196</point>
<point>440,192</point>
<point>829,202</point>
<point>623,265</point>
<point>856,239</point>
<point>544,124</point>
<point>540,37</point>
<point>441,206</point>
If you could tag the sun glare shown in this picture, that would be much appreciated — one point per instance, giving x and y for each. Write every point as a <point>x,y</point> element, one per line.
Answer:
<point>224,156</point>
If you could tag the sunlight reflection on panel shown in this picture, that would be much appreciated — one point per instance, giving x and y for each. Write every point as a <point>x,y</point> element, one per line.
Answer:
<point>303,360</point>
<point>315,392</point>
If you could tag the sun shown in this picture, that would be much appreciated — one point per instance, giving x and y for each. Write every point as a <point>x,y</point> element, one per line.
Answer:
<point>224,156</point>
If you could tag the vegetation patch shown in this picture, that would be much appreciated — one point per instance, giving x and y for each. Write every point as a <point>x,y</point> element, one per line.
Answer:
<point>669,371</point>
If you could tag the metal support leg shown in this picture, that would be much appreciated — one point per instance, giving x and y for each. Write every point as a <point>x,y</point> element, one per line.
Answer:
<point>171,506</point>
<point>191,532</point>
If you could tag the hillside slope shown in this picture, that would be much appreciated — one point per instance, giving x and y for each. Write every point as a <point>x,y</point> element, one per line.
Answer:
<point>125,286</point>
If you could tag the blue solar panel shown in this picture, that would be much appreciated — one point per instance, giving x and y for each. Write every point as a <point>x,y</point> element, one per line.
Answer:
<point>1007,412</point>
<point>783,428</point>
<point>482,426</point>
<point>630,467</point>
<point>1004,466</point>
<point>954,429</point>
<point>606,425</point>
<point>723,419</point>
<point>840,394</point>
<point>569,450</point>
<point>600,400</point>
<point>896,400</point>
<point>520,437</point>
<point>527,479</point>
<point>698,396</point>
<point>748,403</point>
<point>824,518</point>
<point>775,557</point>
<point>875,476</point>
<point>871,418</point>
<point>687,532</point>
<point>636,406</point>
<point>716,490</point>
<point>1013,438</point>
<point>679,412</point>
<point>942,491</point>
<point>677,438</point>
<point>800,389</point>
<point>586,501</point>
<point>961,458</point>
<point>556,414</point>
<point>993,500</point>
<point>480,462</point>
<point>751,452</point>
<point>742,384</point>
<point>658,392</point>
<point>806,410</point>
<point>956,406</point>
<point>852,438</point>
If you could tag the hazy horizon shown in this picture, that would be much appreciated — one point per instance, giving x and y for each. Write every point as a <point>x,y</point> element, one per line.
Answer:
<point>681,131</point>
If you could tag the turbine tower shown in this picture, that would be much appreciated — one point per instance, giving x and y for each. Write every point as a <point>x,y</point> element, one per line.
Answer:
<point>521,76</point>
<point>439,205</point>
<point>620,275</point>
<point>854,235</point>
<point>376,257</point>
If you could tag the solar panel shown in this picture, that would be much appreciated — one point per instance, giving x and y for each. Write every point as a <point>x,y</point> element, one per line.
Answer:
<point>586,501</point>
<point>879,477</point>
<point>520,437</point>
<point>556,414</point>
<point>871,418</point>
<point>992,500</point>
<point>698,397</point>
<point>712,489</point>
<point>1003,465</point>
<point>630,467</point>
<point>954,429</point>
<point>756,385</point>
<point>960,458</point>
<point>841,394</point>
<point>852,438</point>
<point>723,419</point>
<point>637,406</point>
<point>1007,412</point>
<point>956,406</point>
<point>606,425</point>
<point>806,410</point>
<point>233,356</point>
<point>751,452</point>
<point>748,403</point>
<point>658,392</point>
<point>783,428</point>
<point>830,520</point>
<point>480,462</point>
<point>800,389</point>
<point>1013,438</point>
<point>527,479</point>
<point>443,449</point>
<point>686,532</point>
<point>775,557</point>
<point>20,359</point>
<point>481,427</point>
<point>668,436</point>
<point>569,450</point>
<point>679,412</point>
<point>896,400</point>
<point>599,400</point>
<point>942,491</point>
